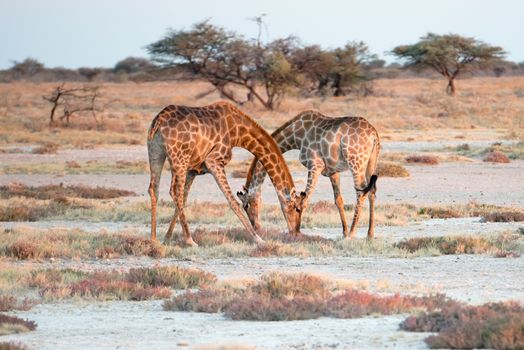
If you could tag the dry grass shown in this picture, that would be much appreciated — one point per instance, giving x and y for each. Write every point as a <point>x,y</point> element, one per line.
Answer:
<point>423,159</point>
<point>9,303</point>
<point>75,168</point>
<point>24,244</point>
<point>12,346</point>
<point>389,169</point>
<point>503,216</point>
<point>448,245</point>
<point>48,147</point>
<point>496,157</point>
<point>136,284</point>
<point>396,104</point>
<point>16,189</point>
<point>33,244</point>
<point>488,326</point>
<point>13,324</point>
<point>284,297</point>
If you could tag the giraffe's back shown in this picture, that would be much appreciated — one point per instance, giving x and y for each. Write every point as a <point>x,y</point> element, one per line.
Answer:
<point>343,143</point>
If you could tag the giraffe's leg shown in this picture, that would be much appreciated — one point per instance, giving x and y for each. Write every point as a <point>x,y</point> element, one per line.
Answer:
<point>371,229</point>
<point>339,201</point>
<point>156,162</point>
<point>360,183</point>
<point>177,193</point>
<point>312,179</point>
<point>217,170</point>
<point>189,181</point>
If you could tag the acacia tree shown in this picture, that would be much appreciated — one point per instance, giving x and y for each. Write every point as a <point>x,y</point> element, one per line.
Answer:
<point>335,72</point>
<point>226,59</point>
<point>450,55</point>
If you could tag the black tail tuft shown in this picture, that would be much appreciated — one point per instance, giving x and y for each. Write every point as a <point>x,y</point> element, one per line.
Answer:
<point>372,184</point>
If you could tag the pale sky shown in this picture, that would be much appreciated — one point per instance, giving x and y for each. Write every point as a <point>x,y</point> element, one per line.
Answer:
<point>99,33</point>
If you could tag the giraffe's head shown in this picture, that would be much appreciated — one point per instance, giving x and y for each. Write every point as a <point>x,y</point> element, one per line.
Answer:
<point>251,204</point>
<point>292,208</point>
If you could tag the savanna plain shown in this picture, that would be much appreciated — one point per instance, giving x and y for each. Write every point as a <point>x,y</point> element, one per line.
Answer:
<point>445,270</point>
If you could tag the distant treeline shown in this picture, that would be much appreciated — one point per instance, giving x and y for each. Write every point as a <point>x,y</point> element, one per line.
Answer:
<point>137,69</point>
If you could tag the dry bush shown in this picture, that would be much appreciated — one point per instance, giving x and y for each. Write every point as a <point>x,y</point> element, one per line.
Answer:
<point>279,297</point>
<point>239,173</point>
<point>77,244</point>
<point>13,324</point>
<point>389,169</point>
<point>23,211</point>
<point>440,212</point>
<point>46,148</point>
<point>12,346</point>
<point>9,302</point>
<point>170,276</point>
<point>136,284</point>
<point>496,157</point>
<point>448,245</point>
<point>60,191</point>
<point>267,249</point>
<point>206,300</point>
<point>503,216</point>
<point>424,159</point>
<point>492,326</point>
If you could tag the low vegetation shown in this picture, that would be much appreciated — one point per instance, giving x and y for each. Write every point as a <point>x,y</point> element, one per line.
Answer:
<point>285,297</point>
<point>13,324</point>
<point>504,216</point>
<point>136,284</point>
<point>60,191</point>
<point>390,169</point>
<point>23,244</point>
<point>496,157</point>
<point>458,326</point>
<point>10,302</point>
<point>423,159</point>
<point>12,346</point>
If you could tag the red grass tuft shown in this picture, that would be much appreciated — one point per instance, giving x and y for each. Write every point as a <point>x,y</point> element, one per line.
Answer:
<point>423,159</point>
<point>492,325</point>
<point>496,157</point>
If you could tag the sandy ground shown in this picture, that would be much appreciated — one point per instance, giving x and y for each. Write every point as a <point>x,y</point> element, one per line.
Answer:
<point>445,183</point>
<point>144,325</point>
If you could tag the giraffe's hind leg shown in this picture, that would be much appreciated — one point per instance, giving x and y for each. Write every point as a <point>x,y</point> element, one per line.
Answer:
<point>189,181</point>
<point>371,197</point>
<point>157,158</point>
<point>177,193</point>
<point>360,184</point>
<point>339,201</point>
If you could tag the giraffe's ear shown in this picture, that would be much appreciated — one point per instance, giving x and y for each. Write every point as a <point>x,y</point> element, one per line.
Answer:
<point>292,194</point>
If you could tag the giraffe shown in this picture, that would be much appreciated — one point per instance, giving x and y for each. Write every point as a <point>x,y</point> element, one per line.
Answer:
<point>198,140</point>
<point>327,146</point>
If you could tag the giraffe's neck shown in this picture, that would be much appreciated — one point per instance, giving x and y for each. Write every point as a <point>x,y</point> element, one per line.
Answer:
<point>246,133</point>
<point>287,139</point>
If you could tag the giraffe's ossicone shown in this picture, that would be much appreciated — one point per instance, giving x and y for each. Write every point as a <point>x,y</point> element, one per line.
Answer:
<point>198,140</point>
<point>327,146</point>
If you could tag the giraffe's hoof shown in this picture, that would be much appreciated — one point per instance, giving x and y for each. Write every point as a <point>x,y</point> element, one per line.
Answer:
<point>259,241</point>
<point>191,243</point>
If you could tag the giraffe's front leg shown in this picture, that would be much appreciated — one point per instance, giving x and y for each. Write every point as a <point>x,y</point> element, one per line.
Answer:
<point>314,172</point>
<point>216,168</point>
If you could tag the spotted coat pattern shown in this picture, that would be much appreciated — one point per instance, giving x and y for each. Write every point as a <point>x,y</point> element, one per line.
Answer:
<point>326,146</point>
<point>199,140</point>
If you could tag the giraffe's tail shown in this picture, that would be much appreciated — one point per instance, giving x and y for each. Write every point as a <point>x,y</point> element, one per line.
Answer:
<point>155,125</point>
<point>371,170</point>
